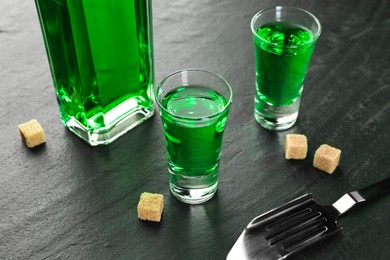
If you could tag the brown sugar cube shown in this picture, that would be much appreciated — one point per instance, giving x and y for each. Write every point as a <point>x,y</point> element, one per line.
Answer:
<point>150,206</point>
<point>327,158</point>
<point>32,133</point>
<point>295,146</point>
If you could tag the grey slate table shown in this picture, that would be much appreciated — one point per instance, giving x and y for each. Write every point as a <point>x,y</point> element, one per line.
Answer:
<point>66,200</point>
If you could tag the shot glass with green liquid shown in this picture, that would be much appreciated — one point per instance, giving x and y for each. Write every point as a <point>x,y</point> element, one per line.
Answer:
<point>194,107</point>
<point>101,59</point>
<point>284,40</point>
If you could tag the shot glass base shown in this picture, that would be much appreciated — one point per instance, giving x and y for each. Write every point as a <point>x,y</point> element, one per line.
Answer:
<point>193,190</point>
<point>193,196</point>
<point>276,117</point>
<point>107,135</point>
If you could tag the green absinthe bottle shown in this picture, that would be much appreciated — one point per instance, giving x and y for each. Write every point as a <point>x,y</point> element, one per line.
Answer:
<point>101,58</point>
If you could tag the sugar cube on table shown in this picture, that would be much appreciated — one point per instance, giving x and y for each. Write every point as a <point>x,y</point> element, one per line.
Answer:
<point>32,133</point>
<point>327,158</point>
<point>150,206</point>
<point>295,146</point>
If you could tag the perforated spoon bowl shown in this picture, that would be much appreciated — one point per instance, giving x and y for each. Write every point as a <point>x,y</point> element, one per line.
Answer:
<point>289,229</point>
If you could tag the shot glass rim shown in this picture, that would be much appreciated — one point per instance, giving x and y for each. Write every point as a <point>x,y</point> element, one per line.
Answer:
<point>226,106</point>
<point>291,8</point>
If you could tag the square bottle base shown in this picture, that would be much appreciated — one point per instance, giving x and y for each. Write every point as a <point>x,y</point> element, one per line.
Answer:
<point>117,129</point>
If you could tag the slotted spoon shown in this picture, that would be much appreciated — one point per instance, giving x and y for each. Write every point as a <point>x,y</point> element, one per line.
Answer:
<point>289,229</point>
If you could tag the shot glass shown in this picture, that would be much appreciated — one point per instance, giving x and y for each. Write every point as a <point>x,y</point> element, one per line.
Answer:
<point>284,40</point>
<point>194,106</point>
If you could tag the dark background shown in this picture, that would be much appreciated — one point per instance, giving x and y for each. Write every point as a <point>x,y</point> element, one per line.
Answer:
<point>66,200</point>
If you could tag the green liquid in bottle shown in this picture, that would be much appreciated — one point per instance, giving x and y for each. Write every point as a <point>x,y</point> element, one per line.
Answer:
<point>101,58</point>
<point>283,54</point>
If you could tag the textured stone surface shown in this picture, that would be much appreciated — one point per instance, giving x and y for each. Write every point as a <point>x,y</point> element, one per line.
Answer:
<point>66,200</point>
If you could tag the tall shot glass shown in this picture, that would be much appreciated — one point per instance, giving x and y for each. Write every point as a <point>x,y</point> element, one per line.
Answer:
<point>194,106</point>
<point>284,40</point>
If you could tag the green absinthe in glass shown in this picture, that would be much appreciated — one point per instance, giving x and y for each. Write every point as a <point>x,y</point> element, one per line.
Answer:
<point>194,119</point>
<point>283,54</point>
<point>101,58</point>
